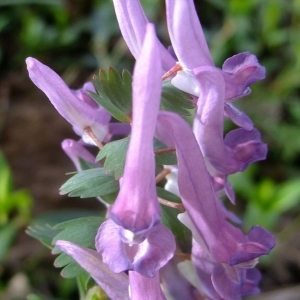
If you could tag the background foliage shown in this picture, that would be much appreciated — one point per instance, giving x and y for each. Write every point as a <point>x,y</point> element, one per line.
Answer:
<point>76,38</point>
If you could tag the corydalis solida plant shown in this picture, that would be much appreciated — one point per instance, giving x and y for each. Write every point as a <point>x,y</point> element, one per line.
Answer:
<point>135,247</point>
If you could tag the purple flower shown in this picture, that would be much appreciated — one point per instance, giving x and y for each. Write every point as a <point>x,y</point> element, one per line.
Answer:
<point>239,72</point>
<point>215,89</point>
<point>145,288</point>
<point>205,217</point>
<point>221,281</point>
<point>114,285</point>
<point>134,239</point>
<point>145,257</point>
<point>190,47</point>
<point>187,38</point>
<point>224,258</point>
<point>75,107</point>
<point>136,207</point>
<point>75,151</point>
<point>175,284</point>
<point>240,148</point>
<point>133,23</point>
<point>83,95</point>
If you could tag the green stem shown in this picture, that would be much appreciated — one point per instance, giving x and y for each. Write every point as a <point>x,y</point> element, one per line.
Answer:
<point>81,280</point>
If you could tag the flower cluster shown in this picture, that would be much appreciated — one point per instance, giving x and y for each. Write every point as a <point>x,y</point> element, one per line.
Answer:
<point>136,255</point>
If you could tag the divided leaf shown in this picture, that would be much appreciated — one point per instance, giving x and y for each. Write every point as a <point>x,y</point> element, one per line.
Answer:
<point>42,226</point>
<point>42,232</point>
<point>90,183</point>
<point>84,165</point>
<point>175,100</point>
<point>115,156</point>
<point>114,93</point>
<point>80,231</point>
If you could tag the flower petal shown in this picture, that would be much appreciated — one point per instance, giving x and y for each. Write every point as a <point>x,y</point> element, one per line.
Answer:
<point>114,285</point>
<point>186,34</point>
<point>175,284</point>
<point>77,112</point>
<point>133,23</point>
<point>146,257</point>
<point>238,117</point>
<point>136,207</point>
<point>246,146</point>
<point>240,71</point>
<point>145,288</point>
<point>75,151</point>
<point>225,242</point>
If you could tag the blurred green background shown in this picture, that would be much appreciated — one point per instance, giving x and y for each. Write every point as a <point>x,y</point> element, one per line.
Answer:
<point>76,38</point>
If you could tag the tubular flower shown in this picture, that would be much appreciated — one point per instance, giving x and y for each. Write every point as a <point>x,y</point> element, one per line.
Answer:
<point>133,23</point>
<point>240,147</point>
<point>175,284</point>
<point>223,256</point>
<point>136,207</point>
<point>216,88</point>
<point>206,219</point>
<point>145,288</point>
<point>114,285</point>
<point>73,106</point>
<point>134,239</point>
<point>145,257</point>
<point>221,281</point>
<point>190,47</point>
<point>77,151</point>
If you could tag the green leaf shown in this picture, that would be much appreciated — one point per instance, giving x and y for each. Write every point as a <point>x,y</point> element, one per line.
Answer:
<point>80,231</point>
<point>175,100</point>
<point>164,159</point>
<point>42,232</point>
<point>7,235</point>
<point>42,226</point>
<point>114,93</point>
<point>169,215</point>
<point>164,194</point>
<point>84,165</point>
<point>115,156</point>
<point>110,198</point>
<point>90,183</point>
<point>71,270</point>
